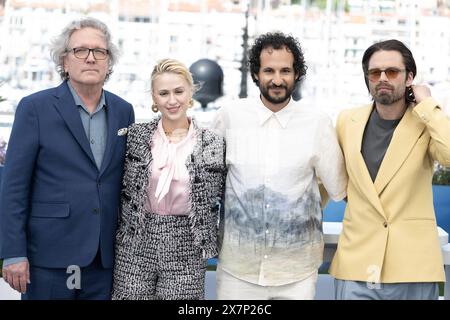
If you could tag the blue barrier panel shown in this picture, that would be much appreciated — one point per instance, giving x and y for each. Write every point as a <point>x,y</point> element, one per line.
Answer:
<point>334,211</point>
<point>441,198</point>
<point>212,262</point>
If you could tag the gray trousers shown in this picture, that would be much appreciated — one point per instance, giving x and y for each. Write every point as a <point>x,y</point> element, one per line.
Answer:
<point>358,290</point>
<point>161,264</point>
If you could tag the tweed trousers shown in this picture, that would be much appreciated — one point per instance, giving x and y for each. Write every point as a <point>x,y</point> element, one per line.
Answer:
<point>162,263</point>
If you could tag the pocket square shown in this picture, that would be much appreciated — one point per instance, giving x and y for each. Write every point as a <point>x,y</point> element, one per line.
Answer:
<point>122,132</point>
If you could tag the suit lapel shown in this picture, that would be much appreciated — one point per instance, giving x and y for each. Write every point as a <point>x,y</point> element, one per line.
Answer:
<point>403,140</point>
<point>70,114</point>
<point>113,127</point>
<point>356,165</point>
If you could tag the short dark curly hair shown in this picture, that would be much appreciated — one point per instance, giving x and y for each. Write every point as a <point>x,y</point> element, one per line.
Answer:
<point>276,40</point>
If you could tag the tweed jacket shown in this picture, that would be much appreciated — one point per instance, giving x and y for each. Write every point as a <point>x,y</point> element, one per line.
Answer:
<point>207,173</point>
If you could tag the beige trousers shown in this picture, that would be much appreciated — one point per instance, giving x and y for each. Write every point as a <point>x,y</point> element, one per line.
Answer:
<point>232,288</point>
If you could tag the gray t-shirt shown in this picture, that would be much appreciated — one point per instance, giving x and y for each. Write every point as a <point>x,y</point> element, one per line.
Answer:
<point>376,139</point>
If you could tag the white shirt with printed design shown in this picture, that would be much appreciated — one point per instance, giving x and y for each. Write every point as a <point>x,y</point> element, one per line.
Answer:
<point>272,227</point>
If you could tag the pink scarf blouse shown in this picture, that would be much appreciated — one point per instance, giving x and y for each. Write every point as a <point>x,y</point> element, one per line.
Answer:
<point>168,187</point>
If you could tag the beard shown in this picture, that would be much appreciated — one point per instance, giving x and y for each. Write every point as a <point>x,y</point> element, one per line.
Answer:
<point>276,99</point>
<point>388,97</point>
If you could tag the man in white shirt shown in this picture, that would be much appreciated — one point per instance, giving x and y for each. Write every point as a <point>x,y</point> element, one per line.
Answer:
<point>271,232</point>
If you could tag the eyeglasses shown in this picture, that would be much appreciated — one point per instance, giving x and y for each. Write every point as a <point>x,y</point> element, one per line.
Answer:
<point>391,73</point>
<point>83,53</point>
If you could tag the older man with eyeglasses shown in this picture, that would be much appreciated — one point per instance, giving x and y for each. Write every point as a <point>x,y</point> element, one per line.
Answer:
<point>62,178</point>
<point>389,247</point>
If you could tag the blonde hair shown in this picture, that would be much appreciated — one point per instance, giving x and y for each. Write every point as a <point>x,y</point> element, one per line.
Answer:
<point>173,66</point>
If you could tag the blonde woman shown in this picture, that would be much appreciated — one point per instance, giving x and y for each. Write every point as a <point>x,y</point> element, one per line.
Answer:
<point>172,187</point>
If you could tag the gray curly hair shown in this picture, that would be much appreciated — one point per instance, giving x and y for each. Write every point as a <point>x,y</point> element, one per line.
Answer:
<point>61,42</point>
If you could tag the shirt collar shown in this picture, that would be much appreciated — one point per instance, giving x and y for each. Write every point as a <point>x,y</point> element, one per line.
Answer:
<point>78,102</point>
<point>282,116</point>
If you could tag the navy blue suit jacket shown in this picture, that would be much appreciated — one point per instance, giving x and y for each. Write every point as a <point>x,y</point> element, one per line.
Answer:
<point>56,207</point>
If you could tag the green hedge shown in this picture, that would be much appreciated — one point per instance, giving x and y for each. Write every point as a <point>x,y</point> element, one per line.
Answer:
<point>441,176</point>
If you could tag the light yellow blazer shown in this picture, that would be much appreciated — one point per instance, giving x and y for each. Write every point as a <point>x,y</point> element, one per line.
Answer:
<point>389,228</point>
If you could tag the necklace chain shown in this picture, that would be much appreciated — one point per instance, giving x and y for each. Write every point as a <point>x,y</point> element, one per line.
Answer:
<point>177,132</point>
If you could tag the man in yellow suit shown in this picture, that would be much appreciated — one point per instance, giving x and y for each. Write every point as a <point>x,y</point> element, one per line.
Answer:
<point>389,247</point>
